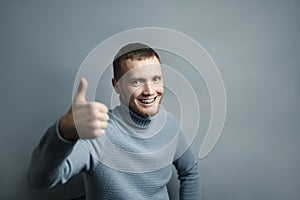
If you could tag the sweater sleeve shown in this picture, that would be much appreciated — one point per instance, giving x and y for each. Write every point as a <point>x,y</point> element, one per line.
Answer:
<point>189,176</point>
<point>55,160</point>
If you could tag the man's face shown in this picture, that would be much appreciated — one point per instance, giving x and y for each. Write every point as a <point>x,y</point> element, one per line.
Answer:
<point>141,85</point>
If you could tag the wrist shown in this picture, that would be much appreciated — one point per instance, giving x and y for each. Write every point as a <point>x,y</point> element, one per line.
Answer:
<point>67,130</point>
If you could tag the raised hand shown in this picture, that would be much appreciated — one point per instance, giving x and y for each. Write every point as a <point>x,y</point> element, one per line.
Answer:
<point>86,120</point>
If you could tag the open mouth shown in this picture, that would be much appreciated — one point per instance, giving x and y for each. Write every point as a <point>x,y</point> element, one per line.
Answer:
<point>147,101</point>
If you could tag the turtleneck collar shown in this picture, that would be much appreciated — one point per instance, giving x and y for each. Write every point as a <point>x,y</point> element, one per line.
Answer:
<point>136,124</point>
<point>134,118</point>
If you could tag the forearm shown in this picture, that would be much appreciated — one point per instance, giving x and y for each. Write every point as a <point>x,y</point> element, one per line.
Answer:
<point>49,159</point>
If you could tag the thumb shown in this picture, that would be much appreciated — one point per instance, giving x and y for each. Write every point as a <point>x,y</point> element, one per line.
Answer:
<point>81,91</point>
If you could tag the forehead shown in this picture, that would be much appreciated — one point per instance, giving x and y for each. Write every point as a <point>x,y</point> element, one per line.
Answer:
<point>144,67</point>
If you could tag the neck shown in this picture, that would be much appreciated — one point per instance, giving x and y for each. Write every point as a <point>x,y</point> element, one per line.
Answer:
<point>134,118</point>
<point>135,124</point>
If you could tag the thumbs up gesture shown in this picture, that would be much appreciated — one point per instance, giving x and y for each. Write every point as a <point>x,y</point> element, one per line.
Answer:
<point>86,120</point>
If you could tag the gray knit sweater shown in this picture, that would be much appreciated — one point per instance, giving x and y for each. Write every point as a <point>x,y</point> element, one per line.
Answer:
<point>133,160</point>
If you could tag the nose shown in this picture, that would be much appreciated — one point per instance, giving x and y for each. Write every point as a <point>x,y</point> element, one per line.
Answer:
<point>148,89</point>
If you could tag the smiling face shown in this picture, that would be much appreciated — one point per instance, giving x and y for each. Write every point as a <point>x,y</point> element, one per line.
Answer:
<point>141,85</point>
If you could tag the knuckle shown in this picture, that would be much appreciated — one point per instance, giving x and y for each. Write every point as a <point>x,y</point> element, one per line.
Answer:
<point>103,108</point>
<point>106,117</point>
<point>94,126</point>
<point>101,132</point>
<point>104,125</point>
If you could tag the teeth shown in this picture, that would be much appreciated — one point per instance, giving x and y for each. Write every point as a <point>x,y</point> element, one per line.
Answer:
<point>148,101</point>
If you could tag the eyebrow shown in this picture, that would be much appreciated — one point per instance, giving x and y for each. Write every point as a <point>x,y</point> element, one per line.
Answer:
<point>157,76</point>
<point>136,78</point>
<point>141,78</point>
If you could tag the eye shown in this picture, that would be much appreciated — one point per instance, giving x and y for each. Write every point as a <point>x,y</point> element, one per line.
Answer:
<point>136,82</point>
<point>156,79</point>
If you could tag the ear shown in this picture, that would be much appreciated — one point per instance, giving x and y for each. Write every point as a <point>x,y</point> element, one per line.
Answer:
<point>116,85</point>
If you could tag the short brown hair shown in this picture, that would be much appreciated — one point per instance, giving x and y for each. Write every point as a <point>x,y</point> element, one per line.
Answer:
<point>133,51</point>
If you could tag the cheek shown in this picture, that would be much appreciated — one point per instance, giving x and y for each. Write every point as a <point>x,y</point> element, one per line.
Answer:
<point>130,93</point>
<point>136,92</point>
<point>160,89</point>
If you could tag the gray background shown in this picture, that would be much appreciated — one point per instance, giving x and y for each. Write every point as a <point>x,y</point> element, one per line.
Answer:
<point>255,44</point>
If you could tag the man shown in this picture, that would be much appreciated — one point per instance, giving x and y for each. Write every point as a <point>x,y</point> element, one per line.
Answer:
<point>126,152</point>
